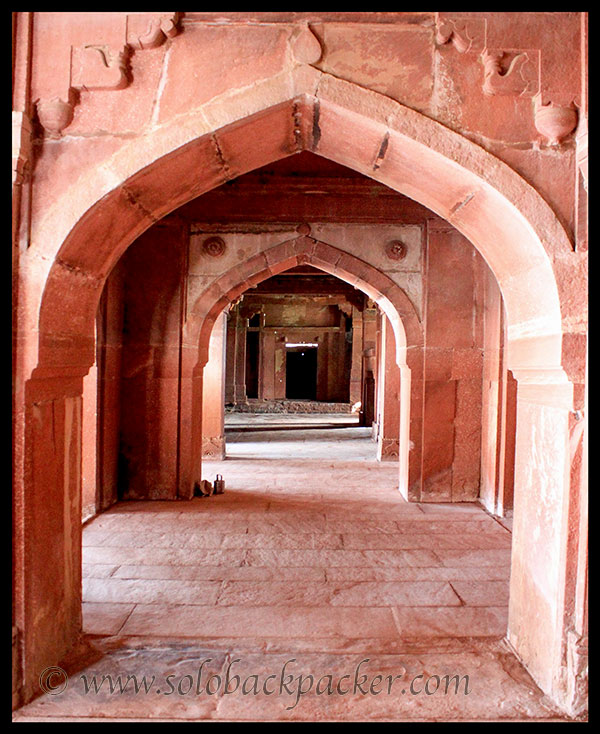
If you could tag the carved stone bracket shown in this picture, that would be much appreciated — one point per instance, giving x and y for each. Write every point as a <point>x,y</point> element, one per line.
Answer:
<point>465,34</point>
<point>144,32</point>
<point>510,72</point>
<point>104,67</point>
<point>306,47</point>
<point>99,67</point>
<point>55,115</point>
<point>553,121</point>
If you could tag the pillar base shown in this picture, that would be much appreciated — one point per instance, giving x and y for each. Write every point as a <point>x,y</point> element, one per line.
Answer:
<point>213,448</point>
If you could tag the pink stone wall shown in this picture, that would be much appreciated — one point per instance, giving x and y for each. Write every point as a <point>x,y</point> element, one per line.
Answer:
<point>213,394</point>
<point>452,370</point>
<point>498,422</point>
<point>149,425</point>
<point>89,447</point>
<point>109,351</point>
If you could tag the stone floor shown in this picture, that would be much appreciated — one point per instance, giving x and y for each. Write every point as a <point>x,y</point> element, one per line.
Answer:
<point>312,581</point>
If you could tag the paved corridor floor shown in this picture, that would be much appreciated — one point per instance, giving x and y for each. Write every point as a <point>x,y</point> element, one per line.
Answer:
<point>310,563</point>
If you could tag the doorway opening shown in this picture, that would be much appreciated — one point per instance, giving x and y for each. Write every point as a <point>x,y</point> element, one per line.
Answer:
<point>301,371</point>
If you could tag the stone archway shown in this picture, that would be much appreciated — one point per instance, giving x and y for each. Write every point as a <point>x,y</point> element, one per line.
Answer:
<point>506,220</point>
<point>298,251</point>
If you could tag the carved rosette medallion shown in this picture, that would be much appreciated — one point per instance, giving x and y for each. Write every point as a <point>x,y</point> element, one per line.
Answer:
<point>396,250</point>
<point>214,247</point>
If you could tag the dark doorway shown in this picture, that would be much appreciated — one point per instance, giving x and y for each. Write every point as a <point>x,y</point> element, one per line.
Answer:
<point>301,373</point>
<point>252,347</point>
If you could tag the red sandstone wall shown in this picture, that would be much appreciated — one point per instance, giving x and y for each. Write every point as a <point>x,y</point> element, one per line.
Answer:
<point>153,294</point>
<point>434,63</point>
<point>451,432</point>
<point>109,355</point>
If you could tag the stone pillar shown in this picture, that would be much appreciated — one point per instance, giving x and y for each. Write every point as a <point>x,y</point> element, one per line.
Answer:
<point>323,367</point>
<point>279,385</point>
<point>48,580</point>
<point>109,350</point>
<point>543,561</point>
<point>369,387</point>
<point>266,373</point>
<point>155,271</point>
<point>190,421</point>
<point>377,374</point>
<point>451,436</point>
<point>389,396</point>
<point>213,394</point>
<point>89,444</point>
<point>230,359</point>
<point>357,350</point>
<point>239,388</point>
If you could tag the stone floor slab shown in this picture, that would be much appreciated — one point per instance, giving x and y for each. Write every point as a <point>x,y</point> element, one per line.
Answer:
<point>315,557</point>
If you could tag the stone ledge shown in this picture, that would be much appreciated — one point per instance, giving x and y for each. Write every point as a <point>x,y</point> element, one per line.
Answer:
<point>289,406</point>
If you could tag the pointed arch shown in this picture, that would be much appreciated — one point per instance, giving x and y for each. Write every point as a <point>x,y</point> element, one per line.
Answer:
<point>85,231</point>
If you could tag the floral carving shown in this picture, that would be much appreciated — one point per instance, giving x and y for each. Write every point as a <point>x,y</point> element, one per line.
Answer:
<point>214,246</point>
<point>390,448</point>
<point>396,250</point>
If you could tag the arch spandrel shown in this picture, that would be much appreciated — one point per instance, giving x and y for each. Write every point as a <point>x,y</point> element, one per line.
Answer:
<point>504,217</point>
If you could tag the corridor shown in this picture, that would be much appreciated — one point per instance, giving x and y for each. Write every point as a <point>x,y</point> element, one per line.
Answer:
<point>313,559</point>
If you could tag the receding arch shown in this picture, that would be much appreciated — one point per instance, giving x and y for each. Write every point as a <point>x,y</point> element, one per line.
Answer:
<point>303,249</point>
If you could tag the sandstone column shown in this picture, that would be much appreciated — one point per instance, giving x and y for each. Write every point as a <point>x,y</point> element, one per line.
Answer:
<point>389,396</point>
<point>239,393</point>
<point>213,394</point>
<point>357,348</point>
